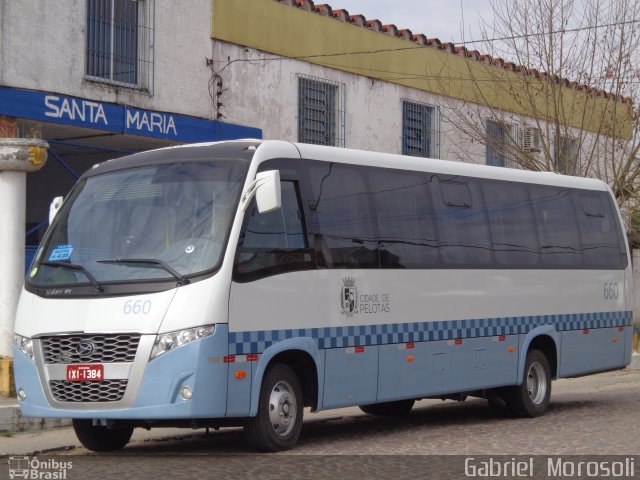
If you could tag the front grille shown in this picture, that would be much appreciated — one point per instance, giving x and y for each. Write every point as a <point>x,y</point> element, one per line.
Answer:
<point>105,348</point>
<point>104,391</point>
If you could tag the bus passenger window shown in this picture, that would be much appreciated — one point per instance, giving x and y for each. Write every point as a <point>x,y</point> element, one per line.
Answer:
<point>463,228</point>
<point>556,220</point>
<point>342,219</point>
<point>602,246</point>
<point>406,219</point>
<point>513,228</point>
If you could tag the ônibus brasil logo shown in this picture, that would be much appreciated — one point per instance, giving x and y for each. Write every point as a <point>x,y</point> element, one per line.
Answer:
<point>349,296</point>
<point>32,467</point>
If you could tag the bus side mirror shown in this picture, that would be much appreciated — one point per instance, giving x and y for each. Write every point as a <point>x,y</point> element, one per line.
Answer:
<point>268,194</point>
<point>54,207</point>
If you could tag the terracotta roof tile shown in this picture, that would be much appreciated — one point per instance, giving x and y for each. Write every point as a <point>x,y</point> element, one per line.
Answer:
<point>359,20</point>
<point>324,9</point>
<point>341,14</point>
<point>305,5</point>
<point>420,38</point>
<point>406,34</point>
<point>375,25</point>
<point>390,29</point>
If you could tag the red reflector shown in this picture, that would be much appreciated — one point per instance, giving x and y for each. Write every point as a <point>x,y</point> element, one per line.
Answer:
<point>458,341</point>
<point>621,329</point>
<point>410,345</point>
<point>502,338</point>
<point>252,357</point>
<point>229,358</point>
<point>359,349</point>
<point>585,331</point>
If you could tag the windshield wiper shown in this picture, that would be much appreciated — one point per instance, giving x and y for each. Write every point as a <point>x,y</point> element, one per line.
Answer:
<point>181,279</point>
<point>74,266</point>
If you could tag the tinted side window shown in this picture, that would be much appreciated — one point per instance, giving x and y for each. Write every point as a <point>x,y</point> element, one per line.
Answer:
<point>406,219</point>
<point>273,242</point>
<point>463,229</point>
<point>599,231</point>
<point>281,228</point>
<point>342,220</point>
<point>513,228</point>
<point>557,228</point>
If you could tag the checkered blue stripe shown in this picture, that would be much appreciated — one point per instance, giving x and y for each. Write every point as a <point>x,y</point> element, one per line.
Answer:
<point>336,337</point>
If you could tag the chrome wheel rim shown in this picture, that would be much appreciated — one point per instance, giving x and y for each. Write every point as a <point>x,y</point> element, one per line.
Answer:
<point>282,408</point>
<point>537,383</point>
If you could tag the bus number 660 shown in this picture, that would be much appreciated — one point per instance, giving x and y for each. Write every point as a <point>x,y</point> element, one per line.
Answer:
<point>610,291</point>
<point>137,307</point>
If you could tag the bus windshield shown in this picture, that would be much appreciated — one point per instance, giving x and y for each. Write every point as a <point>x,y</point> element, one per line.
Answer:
<point>158,222</point>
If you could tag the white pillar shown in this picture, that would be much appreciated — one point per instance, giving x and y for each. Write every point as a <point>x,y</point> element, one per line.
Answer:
<point>12,221</point>
<point>17,157</point>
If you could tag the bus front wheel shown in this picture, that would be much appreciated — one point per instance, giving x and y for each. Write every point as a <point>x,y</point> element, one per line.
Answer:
<point>531,398</point>
<point>99,438</point>
<point>278,424</point>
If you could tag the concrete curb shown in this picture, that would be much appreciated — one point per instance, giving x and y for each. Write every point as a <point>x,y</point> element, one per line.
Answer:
<point>635,361</point>
<point>12,421</point>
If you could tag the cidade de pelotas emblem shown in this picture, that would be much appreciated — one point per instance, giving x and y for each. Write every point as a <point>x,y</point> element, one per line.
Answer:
<point>349,296</point>
<point>363,302</point>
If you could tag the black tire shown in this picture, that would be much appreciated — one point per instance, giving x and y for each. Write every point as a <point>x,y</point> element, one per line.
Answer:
<point>498,403</point>
<point>101,439</point>
<point>278,424</point>
<point>531,399</point>
<point>389,409</point>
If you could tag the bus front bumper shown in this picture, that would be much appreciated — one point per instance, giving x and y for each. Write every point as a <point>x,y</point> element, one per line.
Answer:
<point>197,368</point>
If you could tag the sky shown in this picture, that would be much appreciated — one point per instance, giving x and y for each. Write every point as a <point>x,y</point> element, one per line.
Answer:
<point>442,19</point>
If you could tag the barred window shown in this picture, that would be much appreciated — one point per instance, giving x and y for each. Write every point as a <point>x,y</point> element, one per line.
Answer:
<point>566,155</point>
<point>119,38</point>
<point>320,111</point>
<point>499,142</point>
<point>420,130</point>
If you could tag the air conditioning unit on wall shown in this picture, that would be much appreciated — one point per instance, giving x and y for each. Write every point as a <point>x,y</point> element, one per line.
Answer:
<point>531,139</point>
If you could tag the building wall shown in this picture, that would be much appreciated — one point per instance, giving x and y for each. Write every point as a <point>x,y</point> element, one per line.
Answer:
<point>261,89</point>
<point>264,93</point>
<point>400,57</point>
<point>43,48</point>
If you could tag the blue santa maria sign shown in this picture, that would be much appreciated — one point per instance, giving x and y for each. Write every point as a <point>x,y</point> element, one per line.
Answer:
<point>82,112</point>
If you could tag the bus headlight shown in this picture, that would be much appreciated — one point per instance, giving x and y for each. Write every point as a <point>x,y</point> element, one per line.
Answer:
<point>167,342</point>
<point>24,344</point>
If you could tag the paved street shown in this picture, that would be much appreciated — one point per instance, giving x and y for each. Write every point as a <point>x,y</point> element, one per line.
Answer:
<point>591,415</point>
<point>597,415</point>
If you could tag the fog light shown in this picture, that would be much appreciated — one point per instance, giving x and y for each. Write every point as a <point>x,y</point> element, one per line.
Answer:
<point>22,394</point>
<point>186,393</point>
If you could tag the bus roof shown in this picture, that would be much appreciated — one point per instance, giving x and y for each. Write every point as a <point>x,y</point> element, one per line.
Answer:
<point>448,167</point>
<point>246,148</point>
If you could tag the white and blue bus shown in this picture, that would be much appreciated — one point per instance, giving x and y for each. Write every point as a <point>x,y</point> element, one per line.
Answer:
<point>236,283</point>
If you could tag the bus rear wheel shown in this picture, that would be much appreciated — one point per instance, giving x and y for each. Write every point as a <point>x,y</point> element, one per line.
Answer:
<point>389,409</point>
<point>531,398</point>
<point>99,438</point>
<point>278,424</point>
